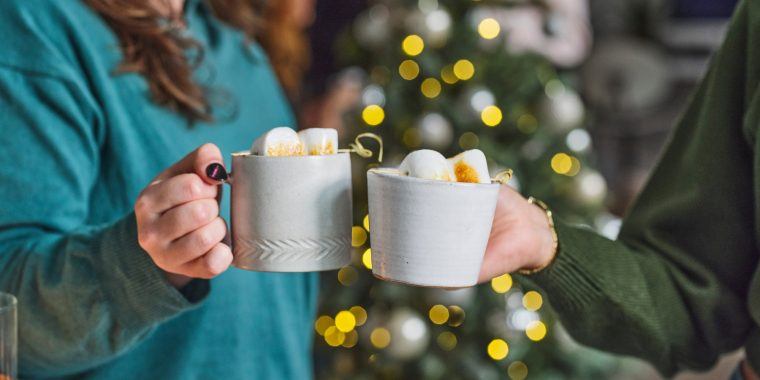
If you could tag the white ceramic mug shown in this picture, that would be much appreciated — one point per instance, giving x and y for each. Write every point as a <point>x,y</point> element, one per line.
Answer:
<point>427,232</point>
<point>291,214</point>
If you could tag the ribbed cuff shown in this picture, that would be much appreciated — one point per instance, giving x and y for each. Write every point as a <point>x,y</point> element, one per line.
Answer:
<point>567,281</point>
<point>135,284</point>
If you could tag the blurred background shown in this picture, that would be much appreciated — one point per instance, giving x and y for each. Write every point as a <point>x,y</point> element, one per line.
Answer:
<point>577,96</point>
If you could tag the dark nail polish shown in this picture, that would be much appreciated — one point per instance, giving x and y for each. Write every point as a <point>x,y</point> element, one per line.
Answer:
<point>216,172</point>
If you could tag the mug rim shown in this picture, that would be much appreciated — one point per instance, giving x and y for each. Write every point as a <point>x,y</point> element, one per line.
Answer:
<point>386,173</point>
<point>246,154</point>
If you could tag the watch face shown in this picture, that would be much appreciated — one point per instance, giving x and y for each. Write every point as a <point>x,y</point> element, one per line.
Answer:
<point>702,9</point>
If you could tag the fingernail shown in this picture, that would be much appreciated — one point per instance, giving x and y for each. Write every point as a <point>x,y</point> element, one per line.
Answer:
<point>216,172</point>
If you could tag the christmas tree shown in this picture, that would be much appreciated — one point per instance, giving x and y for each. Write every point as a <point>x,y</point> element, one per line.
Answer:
<point>452,76</point>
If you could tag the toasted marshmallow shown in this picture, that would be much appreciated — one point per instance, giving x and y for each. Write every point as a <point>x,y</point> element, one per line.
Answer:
<point>470,166</point>
<point>427,164</point>
<point>319,141</point>
<point>281,141</point>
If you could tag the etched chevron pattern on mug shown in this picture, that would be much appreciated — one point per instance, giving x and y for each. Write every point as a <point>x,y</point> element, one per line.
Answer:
<point>263,252</point>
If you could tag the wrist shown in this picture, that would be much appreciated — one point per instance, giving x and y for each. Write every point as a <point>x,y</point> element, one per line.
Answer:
<point>178,281</point>
<point>546,235</point>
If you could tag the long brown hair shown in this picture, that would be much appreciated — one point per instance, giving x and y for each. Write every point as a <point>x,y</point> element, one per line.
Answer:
<point>153,46</point>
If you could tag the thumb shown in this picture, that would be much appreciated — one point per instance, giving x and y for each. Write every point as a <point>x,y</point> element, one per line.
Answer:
<point>199,162</point>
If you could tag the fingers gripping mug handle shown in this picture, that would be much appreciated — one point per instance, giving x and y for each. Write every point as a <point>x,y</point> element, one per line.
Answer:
<point>217,172</point>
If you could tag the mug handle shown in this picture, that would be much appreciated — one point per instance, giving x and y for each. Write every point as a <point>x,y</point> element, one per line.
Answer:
<point>227,180</point>
<point>361,151</point>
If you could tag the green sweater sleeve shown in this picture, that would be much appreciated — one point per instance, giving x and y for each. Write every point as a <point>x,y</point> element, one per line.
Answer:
<point>673,288</point>
<point>86,292</point>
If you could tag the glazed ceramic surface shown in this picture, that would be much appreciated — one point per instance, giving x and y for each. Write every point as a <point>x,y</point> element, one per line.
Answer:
<point>291,214</point>
<point>428,232</point>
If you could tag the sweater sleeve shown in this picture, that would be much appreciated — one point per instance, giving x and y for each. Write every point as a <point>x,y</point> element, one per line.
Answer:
<point>673,288</point>
<point>86,292</point>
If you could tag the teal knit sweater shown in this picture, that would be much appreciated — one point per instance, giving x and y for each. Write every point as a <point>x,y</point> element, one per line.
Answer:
<point>77,144</point>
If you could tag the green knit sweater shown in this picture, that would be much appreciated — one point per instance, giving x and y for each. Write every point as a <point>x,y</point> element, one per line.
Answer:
<point>681,284</point>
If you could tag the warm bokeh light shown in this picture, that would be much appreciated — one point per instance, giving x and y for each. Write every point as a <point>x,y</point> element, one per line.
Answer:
<point>323,323</point>
<point>367,258</point>
<point>413,45</point>
<point>532,300</point>
<point>409,69</point>
<point>447,340</point>
<point>489,28</point>
<point>456,316</point>
<point>359,313</point>
<point>562,163</point>
<point>345,321</point>
<point>491,116</point>
<point>430,87</point>
<point>575,167</point>
<point>365,222</point>
<point>517,371</point>
<point>498,349</point>
<point>438,314</point>
<point>373,115</point>
<point>501,284</point>
<point>380,337</point>
<point>535,331</point>
<point>334,337</point>
<point>469,140</point>
<point>411,138</point>
<point>527,123</point>
<point>464,69</point>
<point>347,276</point>
<point>358,236</point>
<point>447,74</point>
<point>352,337</point>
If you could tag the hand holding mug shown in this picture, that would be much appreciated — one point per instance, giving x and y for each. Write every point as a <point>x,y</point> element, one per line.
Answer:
<point>178,220</point>
<point>520,237</point>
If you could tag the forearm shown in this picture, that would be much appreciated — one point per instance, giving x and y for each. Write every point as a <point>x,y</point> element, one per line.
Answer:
<point>629,299</point>
<point>84,297</point>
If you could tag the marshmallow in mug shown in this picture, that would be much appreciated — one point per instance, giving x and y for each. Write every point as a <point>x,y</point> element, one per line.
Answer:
<point>319,141</point>
<point>281,141</point>
<point>428,164</point>
<point>470,166</point>
<point>284,141</point>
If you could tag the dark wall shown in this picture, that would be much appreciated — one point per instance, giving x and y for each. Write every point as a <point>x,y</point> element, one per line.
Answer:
<point>332,17</point>
<point>703,8</point>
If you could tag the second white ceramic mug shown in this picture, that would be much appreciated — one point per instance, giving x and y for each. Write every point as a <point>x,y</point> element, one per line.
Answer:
<point>291,214</point>
<point>428,232</point>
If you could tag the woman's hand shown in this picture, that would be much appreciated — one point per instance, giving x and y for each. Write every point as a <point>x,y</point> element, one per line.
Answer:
<point>178,221</point>
<point>520,237</point>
